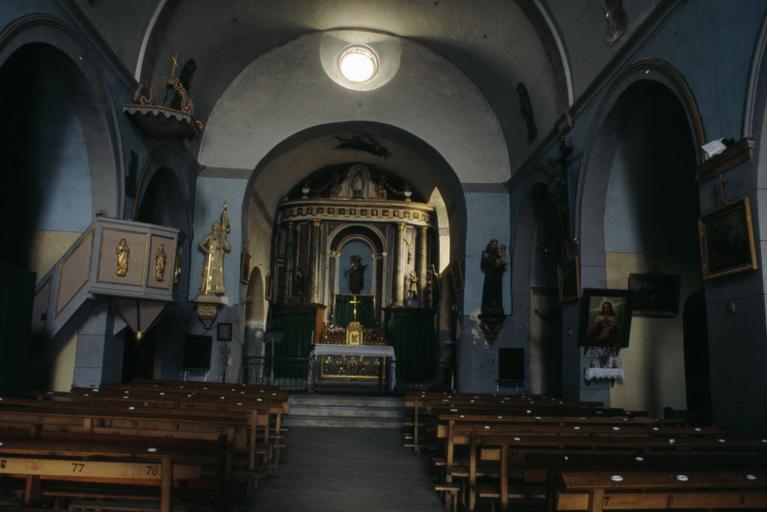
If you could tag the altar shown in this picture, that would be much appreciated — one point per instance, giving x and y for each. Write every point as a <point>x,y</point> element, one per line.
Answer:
<point>352,280</point>
<point>338,363</point>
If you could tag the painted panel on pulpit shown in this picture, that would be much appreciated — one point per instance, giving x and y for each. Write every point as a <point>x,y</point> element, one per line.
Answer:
<point>356,269</point>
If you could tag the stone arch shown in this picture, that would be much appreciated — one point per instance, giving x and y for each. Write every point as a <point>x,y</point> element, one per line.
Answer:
<point>594,175</point>
<point>94,102</point>
<point>283,167</point>
<point>638,204</point>
<point>534,268</point>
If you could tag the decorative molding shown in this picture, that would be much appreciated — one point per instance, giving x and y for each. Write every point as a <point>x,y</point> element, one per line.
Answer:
<point>371,210</point>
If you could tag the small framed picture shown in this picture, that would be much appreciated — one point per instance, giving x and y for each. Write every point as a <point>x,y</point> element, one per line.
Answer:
<point>654,294</point>
<point>568,271</point>
<point>224,332</point>
<point>727,240</point>
<point>605,318</point>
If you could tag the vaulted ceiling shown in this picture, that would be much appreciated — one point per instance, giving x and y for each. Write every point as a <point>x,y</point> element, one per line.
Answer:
<point>555,47</point>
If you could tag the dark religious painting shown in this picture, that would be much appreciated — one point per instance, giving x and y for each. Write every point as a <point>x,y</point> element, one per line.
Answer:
<point>605,318</point>
<point>654,294</point>
<point>568,271</point>
<point>727,240</point>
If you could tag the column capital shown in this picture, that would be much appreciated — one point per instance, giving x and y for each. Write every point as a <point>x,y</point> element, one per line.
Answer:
<point>316,222</point>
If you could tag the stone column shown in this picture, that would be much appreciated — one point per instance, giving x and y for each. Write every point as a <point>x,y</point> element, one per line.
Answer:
<point>423,262</point>
<point>399,269</point>
<point>288,291</point>
<point>314,294</point>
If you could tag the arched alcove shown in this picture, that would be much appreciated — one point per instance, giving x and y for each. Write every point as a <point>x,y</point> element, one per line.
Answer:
<point>640,187</point>
<point>53,141</point>
<point>255,324</point>
<point>538,240</point>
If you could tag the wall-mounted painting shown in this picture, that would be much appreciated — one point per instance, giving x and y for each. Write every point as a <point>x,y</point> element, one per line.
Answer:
<point>727,240</point>
<point>605,318</point>
<point>654,294</point>
<point>568,271</point>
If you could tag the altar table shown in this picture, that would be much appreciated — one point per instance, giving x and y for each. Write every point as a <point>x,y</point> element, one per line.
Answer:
<point>383,352</point>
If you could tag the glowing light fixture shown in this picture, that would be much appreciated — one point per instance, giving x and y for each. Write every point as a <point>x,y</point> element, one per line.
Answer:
<point>358,63</point>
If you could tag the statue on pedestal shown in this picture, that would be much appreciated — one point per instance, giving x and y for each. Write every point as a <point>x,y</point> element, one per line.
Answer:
<point>212,286</point>
<point>493,265</point>
<point>214,245</point>
<point>355,273</point>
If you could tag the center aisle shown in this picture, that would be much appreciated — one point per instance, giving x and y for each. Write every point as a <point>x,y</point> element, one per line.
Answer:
<point>340,469</point>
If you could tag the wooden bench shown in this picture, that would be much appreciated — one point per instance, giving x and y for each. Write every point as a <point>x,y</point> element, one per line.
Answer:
<point>594,491</point>
<point>97,461</point>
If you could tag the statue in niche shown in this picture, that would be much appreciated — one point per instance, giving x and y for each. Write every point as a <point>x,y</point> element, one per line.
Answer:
<point>355,273</point>
<point>493,265</point>
<point>616,20</point>
<point>298,283</point>
<point>160,260</point>
<point>358,185</point>
<point>526,108</point>
<point>123,255</point>
<point>214,245</point>
<point>412,289</point>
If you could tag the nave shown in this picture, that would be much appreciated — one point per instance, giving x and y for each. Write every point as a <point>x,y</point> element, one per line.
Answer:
<point>347,469</point>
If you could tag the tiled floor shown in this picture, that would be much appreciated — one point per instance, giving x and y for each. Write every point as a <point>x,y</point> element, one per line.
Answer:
<point>340,469</point>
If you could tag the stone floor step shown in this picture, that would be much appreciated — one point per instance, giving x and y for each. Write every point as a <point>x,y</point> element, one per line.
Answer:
<point>342,422</point>
<point>347,411</point>
<point>359,401</point>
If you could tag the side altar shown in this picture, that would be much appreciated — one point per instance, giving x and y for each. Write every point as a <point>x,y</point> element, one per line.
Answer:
<point>352,354</point>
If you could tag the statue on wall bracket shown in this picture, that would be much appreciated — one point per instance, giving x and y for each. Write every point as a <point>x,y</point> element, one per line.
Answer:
<point>212,288</point>
<point>493,264</point>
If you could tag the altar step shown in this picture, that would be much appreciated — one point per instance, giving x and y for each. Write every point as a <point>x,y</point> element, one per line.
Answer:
<point>345,411</point>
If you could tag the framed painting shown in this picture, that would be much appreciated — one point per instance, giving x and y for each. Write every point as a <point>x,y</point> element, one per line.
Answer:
<point>654,294</point>
<point>605,318</point>
<point>568,272</point>
<point>727,240</point>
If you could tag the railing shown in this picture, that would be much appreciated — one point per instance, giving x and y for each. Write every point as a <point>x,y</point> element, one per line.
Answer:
<point>286,372</point>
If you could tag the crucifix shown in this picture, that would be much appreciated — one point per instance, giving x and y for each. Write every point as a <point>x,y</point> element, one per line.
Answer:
<point>354,302</point>
<point>173,65</point>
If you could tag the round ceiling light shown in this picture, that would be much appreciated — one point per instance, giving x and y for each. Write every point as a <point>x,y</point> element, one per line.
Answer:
<point>358,63</point>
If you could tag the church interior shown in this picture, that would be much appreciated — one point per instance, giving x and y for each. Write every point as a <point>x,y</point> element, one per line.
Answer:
<point>364,255</point>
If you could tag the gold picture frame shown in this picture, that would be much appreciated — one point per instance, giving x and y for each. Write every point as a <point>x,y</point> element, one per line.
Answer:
<point>727,243</point>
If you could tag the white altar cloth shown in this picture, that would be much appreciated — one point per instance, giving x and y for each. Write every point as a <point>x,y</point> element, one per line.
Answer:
<point>604,373</point>
<point>328,349</point>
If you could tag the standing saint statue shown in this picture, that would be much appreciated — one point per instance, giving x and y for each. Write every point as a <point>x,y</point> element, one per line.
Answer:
<point>123,254</point>
<point>160,260</point>
<point>355,273</point>
<point>493,265</point>
<point>214,245</point>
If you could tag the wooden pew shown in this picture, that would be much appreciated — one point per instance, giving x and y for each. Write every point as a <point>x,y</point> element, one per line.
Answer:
<point>505,448</point>
<point>594,491</point>
<point>130,420</point>
<point>144,463</point>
